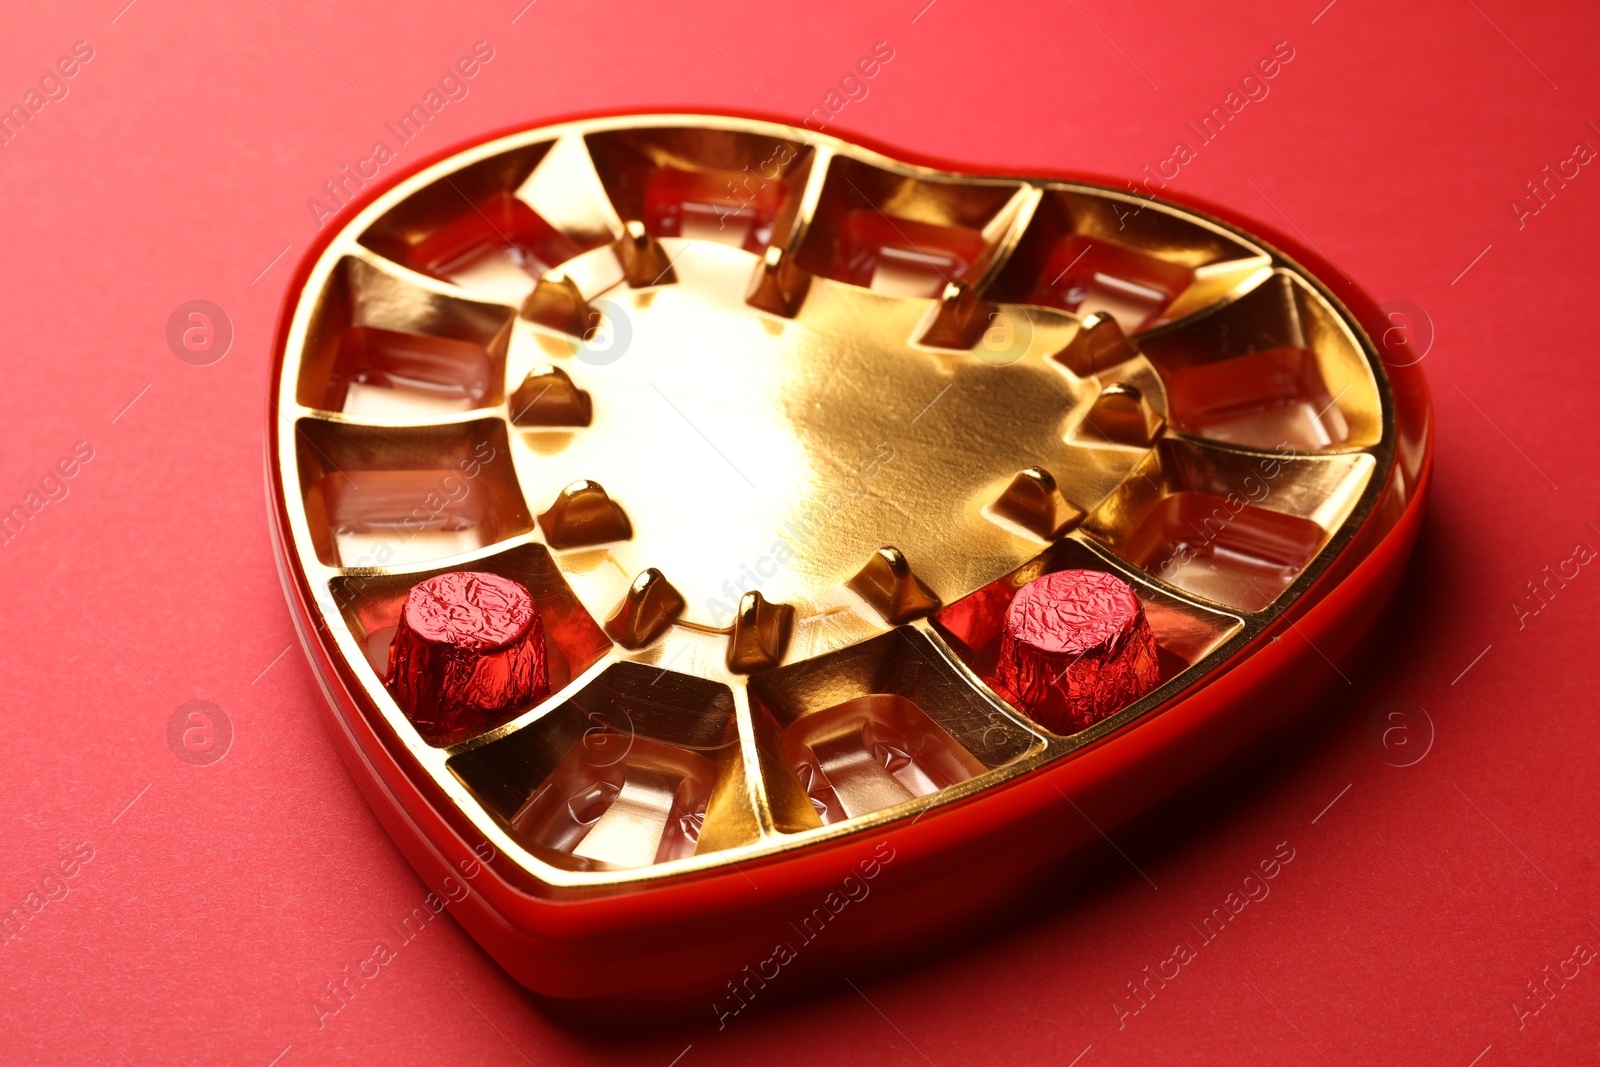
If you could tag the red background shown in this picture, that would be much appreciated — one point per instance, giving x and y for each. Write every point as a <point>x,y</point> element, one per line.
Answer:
<point>1417,906</point>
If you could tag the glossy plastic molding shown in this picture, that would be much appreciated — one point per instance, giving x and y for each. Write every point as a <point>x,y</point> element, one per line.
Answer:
<point>773,426</point>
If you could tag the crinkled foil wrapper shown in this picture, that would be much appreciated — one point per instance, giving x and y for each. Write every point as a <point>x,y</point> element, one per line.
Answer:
<point>1076,648</point>
<point>469,647</point>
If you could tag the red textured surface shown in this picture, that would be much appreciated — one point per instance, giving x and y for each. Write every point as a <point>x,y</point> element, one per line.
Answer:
<point>469,646</point>
<point>217,901</point>
<point>1076,648</point>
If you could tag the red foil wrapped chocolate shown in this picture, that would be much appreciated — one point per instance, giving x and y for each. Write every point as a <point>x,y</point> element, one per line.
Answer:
<point>469,647</point>
<point>1076,648</point>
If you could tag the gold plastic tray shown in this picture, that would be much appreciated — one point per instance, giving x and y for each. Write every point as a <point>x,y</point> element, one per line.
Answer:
<point>818,474</point>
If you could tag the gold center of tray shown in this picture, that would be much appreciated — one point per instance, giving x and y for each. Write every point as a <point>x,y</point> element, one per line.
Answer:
<point>752,452</point>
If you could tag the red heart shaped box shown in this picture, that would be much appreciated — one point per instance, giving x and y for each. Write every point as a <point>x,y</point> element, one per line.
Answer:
<point>685,937</point>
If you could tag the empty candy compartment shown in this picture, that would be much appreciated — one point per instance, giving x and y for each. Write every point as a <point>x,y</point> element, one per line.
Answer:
<point>1091,276</point>
<point>1129,258</point>
<point>1272,369</point>
<point>1231,527</point>
<point>391,496</point>
<point>903,257</point>
<point>727,206</point>
<point>387,369</point>
<point>1261,400</point>
<point>371,606</point>
<point>872,725</point>
<point>870,753</point>
<point>379,345</point>
<point>499,224</point>
<point>1209,545</point>
<point>640,767</point>
<point>1185,633</point>
<point>901,234</point>
<point>400,514</point>
<point>732,187</point>
<point>621,800</point>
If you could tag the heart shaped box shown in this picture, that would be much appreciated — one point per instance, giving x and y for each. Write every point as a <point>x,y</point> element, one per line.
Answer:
<point>772,426</point>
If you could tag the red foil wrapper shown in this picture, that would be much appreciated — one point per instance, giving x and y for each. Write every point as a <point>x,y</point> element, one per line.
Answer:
<point>1076,648</point>
<point>469,646</point>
